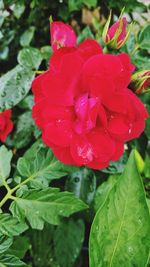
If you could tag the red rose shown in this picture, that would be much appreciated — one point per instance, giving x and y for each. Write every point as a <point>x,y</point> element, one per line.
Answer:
<point>6,124</point>
<point>84,108</point>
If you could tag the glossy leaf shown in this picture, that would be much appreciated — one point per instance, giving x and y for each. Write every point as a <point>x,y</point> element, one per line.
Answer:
<point>83,184</point>
<point>5,160</point>
<point>104,190</point>
<point>10,226</point>
<point>30,58</point>
<point>5,243</point>
<point>14,85</point>
<point>68,239</point>
<point>10,260</point>
<point>42,246</point>
<point>24,130</point>
<point>120,232</point>
<point>48,205</point>
<point>19,247</point>
<point>144,37</point>
<point>27,36</point>
<point>42,166</point>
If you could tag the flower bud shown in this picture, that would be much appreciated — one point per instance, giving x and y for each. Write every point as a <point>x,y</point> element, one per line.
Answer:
<point>62,35</point>
<point>140,81</point>
<point>117,35</point>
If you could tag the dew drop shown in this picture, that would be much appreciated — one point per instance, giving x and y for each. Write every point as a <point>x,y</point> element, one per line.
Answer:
<point>76,179</point>
<point>3,94</point>
<point>18,76</point>
<point>23,91</point>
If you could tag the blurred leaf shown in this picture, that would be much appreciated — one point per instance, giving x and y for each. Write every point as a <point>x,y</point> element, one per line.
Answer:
<point>27,36</point>
<point>10,260</point>
<point>46,52</point>
<point>19,247</point>
<point>48,205</point>
<point>120,232</point>
<point>14,85</point>
<point>18,9</point>
<point>86,33</point>
<point>144,37</point>
<point>83,184</point>
<point>147,128</point>
<point>10,226</point>
<point>30,57</point>
<point>5,167</point>
<point>139,161</point>
<point>24,130</point>
<point>5,243</point>
<point>77,4</point>
<point>141,61</point>
<point>147,167</point>
<point>68,240</point>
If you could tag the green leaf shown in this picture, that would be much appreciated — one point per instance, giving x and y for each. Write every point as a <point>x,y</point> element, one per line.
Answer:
<point>86,33</point>
<point>42,166</point>
<point>5,243</point>
<point>120,234</point>
<point>46,52</point>
<point>141,61</point>
<point>10,260</point>
<point>27,36</point>
<point>77,4</point>
<point>48,205</point>
<point>24,130</point>
<point>14,86</point>
<point>5,167</point>
<point>147,128</point>
<point>10,226</point>
<point>19,247</point>
<point>103,191</point>
<point>26,103</point>
<point>42,246</point>
<point>30,57</point>
<point>90,3</point>
<point>116,166</point>
<point>68,240</point>
<point>18,9</point>
<point>147,167</point>
<point>83,184</point>
<point>144,37</point>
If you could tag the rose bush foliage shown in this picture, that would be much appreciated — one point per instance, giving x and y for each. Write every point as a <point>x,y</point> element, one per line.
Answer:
<point>72,193</point>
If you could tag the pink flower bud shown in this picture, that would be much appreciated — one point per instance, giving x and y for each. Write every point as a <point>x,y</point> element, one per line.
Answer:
<point>140,81</point>
<point>117,35</point>
<point>62,35</point>
<point>117,31</point>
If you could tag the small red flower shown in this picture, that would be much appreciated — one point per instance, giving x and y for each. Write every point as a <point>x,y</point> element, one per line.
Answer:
<point>83,105</point>
<point>6,124</point>
<point>62,35</point>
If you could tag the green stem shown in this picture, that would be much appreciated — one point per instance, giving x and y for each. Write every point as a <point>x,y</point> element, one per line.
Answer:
<point>8,195</point>
<point>11,191</point>
<point>39,71</point>
<point>24,182</point>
